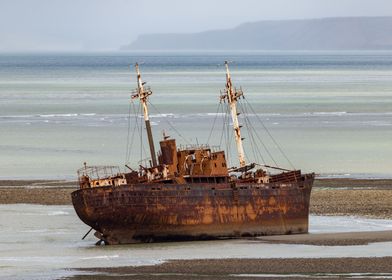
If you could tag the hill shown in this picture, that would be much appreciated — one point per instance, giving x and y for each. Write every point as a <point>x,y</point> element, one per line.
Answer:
<point>351,33</point>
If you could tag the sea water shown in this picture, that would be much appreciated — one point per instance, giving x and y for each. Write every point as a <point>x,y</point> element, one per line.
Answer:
<point>44,242</point>
<point>330,113</point>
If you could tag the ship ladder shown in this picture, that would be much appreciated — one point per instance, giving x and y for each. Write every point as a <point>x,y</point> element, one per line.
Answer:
<point>235,193</point>
<point>235,196</point>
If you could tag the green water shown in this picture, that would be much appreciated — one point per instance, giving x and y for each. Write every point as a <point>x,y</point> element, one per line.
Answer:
<point>331,113</point>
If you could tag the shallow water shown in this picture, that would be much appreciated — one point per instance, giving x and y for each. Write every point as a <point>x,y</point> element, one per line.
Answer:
<point>330,112</point>
<point>44,242</point>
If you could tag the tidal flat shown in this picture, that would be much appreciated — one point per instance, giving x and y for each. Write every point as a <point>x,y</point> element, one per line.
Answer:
<point>350,237</point>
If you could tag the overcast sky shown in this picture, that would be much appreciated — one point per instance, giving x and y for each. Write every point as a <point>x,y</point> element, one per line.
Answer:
<point>83,25</point>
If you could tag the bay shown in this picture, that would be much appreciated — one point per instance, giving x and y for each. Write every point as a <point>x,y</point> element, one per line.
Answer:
<point>330,112</point>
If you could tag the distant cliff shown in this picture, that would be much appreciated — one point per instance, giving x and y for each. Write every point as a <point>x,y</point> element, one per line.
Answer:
<point>351,33</point>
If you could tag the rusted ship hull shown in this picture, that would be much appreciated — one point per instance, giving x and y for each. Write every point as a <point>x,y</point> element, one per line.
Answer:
<point>157,212</point>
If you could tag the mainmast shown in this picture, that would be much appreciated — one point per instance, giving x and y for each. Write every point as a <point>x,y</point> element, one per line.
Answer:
<point>143,93</point>
<point>232,95</point>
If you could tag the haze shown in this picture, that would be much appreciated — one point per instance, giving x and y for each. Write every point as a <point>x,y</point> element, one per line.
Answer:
<point>97,25</point>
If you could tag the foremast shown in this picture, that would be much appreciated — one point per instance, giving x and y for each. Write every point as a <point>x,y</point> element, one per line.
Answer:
<point>232,95</point>
<point>142,93</point>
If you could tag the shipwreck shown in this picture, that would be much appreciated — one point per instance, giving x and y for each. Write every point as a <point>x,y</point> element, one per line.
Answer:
<point>190,193</point>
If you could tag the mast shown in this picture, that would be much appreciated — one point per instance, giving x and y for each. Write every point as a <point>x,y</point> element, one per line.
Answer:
<point>232,95</point>
<point>143,93</point>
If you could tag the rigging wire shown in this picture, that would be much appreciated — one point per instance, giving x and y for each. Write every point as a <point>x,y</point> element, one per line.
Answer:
<point>223,127</point>
<point>243,113</point>
<point>264,145</point>
<point>269,134</point>
<point>135,117</point>
<point>213,124</point>
<point>170,124</point>
<point>228,136</point>
<point>225,135</point>
<point>140,132</point>
<point>128,134</point>
<point>232,130</point>
<point>141,140</point>
<point>251,131</point>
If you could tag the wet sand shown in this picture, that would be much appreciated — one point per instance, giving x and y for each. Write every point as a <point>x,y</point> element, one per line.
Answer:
<point>369,198</point>
<point>300,268</point>
<point>46,192</point>
<point>364,197</point>
<point>331,239</point>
